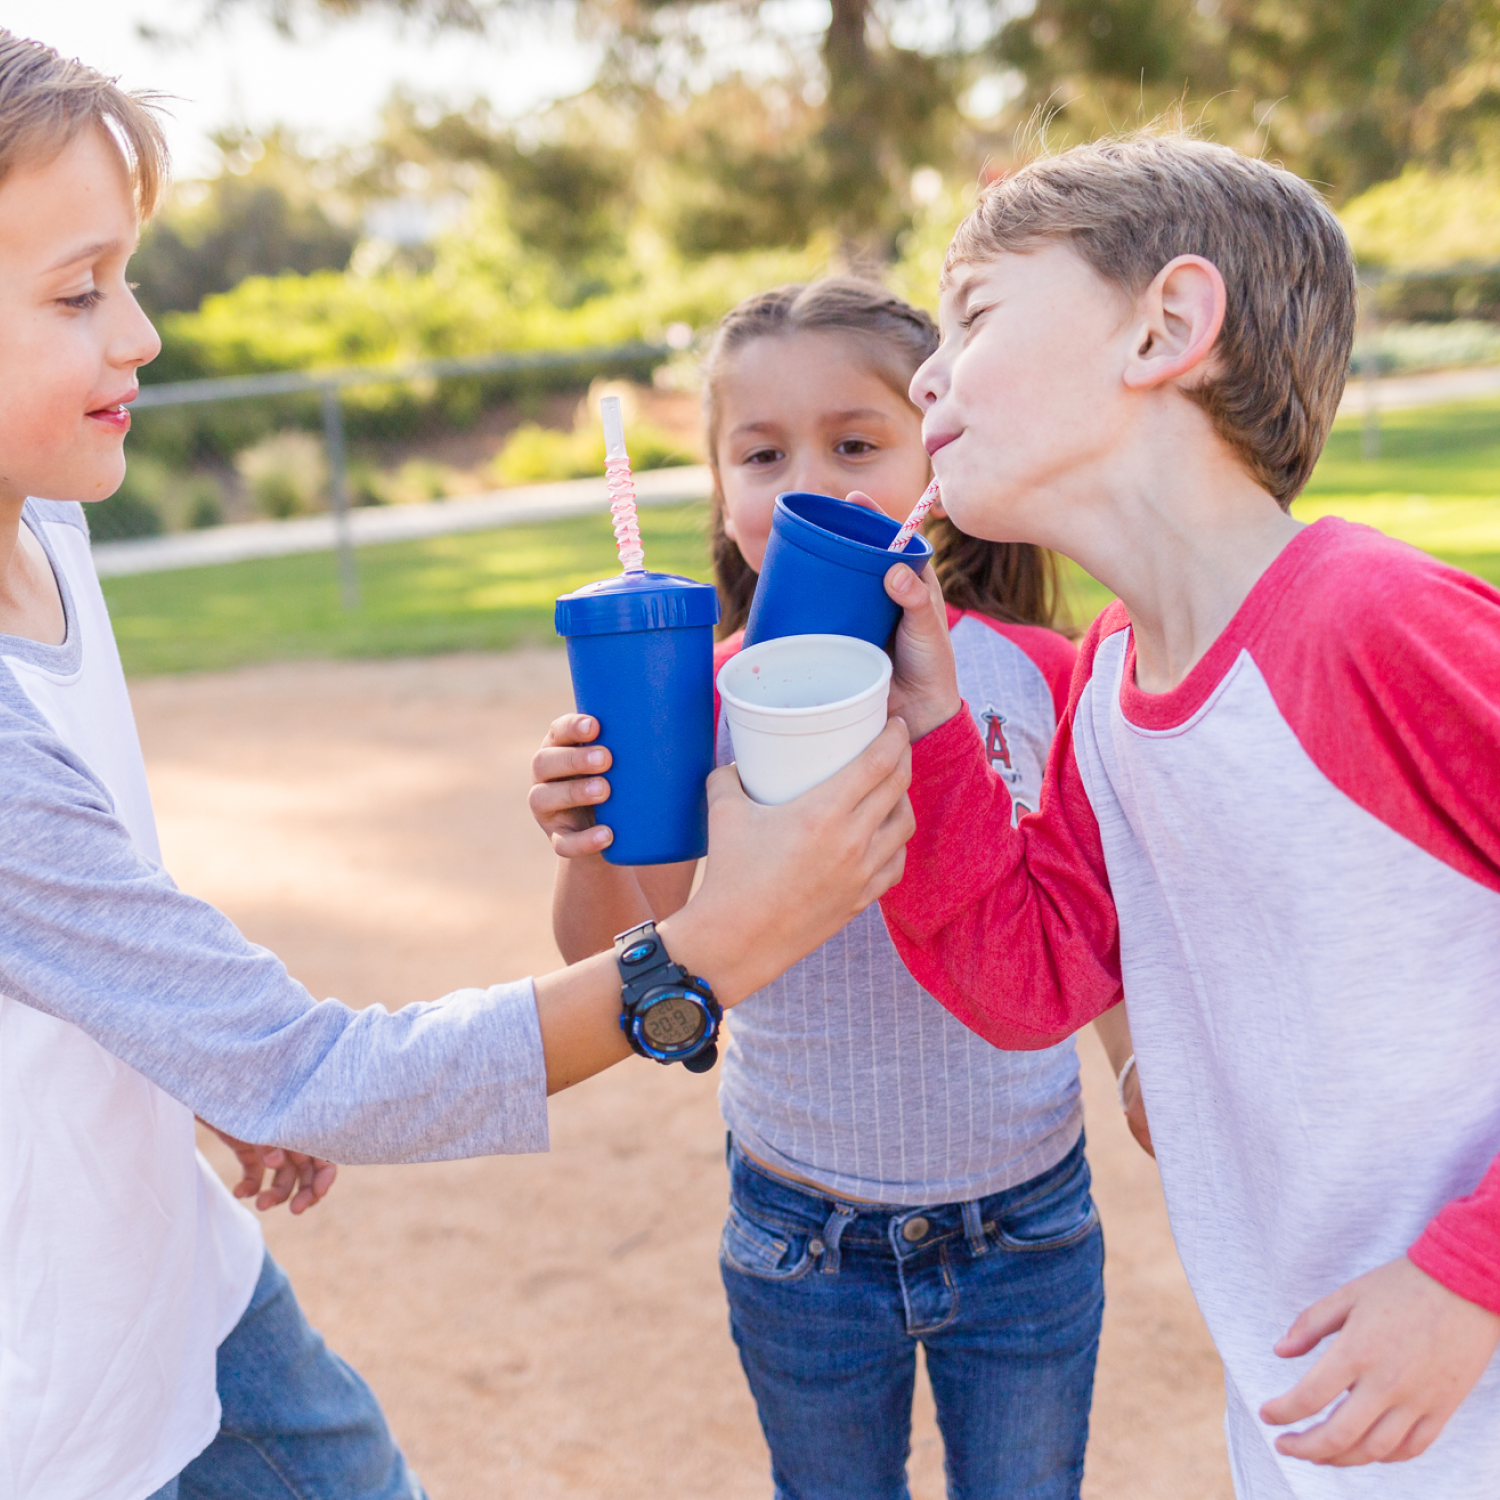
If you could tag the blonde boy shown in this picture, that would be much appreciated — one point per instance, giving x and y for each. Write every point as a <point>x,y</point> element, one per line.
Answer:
<point>1272,815</point>
<point>148,1346</point>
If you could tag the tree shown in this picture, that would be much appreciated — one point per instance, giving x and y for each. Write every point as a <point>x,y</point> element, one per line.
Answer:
<point>885,110</point>
<point>1344,91</point>
<point>262,214</point>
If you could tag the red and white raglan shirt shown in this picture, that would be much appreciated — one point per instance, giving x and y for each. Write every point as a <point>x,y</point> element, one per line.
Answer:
<point>1290,864</point>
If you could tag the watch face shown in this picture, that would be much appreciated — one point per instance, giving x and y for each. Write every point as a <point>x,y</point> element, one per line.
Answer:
<point>673,1023</point>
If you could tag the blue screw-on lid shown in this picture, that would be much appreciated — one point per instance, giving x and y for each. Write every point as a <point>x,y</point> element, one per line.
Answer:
<point>637,601</point>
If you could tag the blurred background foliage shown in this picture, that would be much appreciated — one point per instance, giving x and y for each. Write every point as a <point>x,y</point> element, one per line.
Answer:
<point>727,145</point>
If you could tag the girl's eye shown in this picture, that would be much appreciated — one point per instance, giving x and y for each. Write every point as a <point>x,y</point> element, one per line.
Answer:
<point>84,300</point>
<point>853,448</point>
<point>763,456</point>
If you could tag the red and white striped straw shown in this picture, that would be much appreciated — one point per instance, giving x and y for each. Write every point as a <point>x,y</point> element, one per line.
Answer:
<point>915,519</point>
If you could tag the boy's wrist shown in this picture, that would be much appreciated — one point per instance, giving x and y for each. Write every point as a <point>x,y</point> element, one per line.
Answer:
<point>706,948</point>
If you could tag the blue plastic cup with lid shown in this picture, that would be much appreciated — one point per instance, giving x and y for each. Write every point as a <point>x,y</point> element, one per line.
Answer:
<point>824,571</point>
<point>641,651</point>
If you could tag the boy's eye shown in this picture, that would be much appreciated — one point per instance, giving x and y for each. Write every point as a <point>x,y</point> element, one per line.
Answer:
<point>764,456</point>
<point>84,300</point>
<point>853,447</point>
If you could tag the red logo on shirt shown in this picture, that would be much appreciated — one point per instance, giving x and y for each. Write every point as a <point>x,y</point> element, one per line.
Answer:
<point>995,748</point>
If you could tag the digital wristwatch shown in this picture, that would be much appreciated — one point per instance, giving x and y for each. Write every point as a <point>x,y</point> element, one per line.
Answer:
<point>666,1013</point>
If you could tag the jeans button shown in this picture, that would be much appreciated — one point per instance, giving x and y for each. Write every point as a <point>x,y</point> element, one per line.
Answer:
<point>914,1229</point>
<point>815,1247</point>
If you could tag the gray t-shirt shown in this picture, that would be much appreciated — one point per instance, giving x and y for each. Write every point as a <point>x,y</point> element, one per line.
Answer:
<point>847,1072</point>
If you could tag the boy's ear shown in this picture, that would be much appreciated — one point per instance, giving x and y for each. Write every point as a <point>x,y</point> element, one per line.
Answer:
<point>1178,321</point>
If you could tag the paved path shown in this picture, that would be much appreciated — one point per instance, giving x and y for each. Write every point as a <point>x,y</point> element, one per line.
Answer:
<point>394,523</point>
<point>1431,389</point>
<point>577,497</point>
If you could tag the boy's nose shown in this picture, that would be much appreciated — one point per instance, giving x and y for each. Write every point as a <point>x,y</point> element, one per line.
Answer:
<point>926,384</point>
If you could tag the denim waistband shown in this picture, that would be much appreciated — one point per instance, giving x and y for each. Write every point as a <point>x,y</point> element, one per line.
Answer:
<point>839,1222</point>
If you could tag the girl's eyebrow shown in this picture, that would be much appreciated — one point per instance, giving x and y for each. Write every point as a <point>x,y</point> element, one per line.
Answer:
<point>858,414</point>
<point>754,427</point>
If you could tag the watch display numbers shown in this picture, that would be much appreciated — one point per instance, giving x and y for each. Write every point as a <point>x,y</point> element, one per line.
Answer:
<point>673,1022</point>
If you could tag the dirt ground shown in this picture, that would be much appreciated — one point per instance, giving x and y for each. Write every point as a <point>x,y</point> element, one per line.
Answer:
<point>553,1325</point>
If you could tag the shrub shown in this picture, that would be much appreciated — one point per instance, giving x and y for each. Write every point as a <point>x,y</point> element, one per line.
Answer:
<point>205,503</point>
<point>285,474</point>
<point>535,455</point>
<point>132,510</point>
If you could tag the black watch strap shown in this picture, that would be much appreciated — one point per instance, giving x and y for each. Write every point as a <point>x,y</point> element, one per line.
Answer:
<point>641,955</point>
<point>645,966</point>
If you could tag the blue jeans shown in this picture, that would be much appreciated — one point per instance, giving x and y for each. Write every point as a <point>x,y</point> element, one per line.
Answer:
<point>299,1424</point>
<point>829,1299</point>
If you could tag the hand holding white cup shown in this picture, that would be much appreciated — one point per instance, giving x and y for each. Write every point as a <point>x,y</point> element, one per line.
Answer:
<point>801,707</point>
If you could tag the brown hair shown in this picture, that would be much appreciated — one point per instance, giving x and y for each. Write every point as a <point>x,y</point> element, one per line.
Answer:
<point>1130,205</point>
<point>1012,581</point>
<point>47,100</point>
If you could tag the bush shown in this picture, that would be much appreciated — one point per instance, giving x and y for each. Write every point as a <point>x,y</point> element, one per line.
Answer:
<point>131,511</point>
<point>286,474</point>
<point>535,455</point>
<point>1425,220</point>
<point>205,503</point>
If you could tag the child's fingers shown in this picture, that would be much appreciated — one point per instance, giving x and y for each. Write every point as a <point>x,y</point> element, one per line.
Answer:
<point>1315,1323</point>
<point>316,1178</point>
<point>1325,1382</point>
<point>1341,1436</point>
<point>577,845</point>
<point>252,1173</point>
<point>283,1181</point>
<point>559,763</point>
<point>550,801</point>
<point>1383,1440</point>
<point>1418,1440</point>
<point>571,729</point>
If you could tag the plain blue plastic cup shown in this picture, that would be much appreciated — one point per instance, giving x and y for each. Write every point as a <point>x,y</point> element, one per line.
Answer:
<point>824,571</point>
<point>641,651</point>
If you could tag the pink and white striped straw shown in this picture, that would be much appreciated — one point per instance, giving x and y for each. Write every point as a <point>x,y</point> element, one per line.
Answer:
<point>915,519</point>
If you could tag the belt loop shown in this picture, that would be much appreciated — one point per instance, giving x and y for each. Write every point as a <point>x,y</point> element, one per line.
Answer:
<point>974,1228</point>
<point>833,1232</point>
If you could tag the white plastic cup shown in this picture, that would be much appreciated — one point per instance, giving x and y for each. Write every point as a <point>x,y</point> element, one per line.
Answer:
<point>801,707</point>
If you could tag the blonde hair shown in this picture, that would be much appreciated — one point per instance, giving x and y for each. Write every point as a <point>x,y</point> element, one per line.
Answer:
<point>1009,580</point>
<point>47,101</point>
<point>1130,205</point>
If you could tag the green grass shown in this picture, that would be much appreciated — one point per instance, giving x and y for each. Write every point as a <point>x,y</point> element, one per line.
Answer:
<point>1436,484</point>
<point>476,591</point>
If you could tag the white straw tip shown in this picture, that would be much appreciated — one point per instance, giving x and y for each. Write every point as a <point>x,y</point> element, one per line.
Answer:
<point>614,428</point>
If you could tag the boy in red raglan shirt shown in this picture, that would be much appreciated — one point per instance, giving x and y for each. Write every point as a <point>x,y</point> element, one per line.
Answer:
<point>1271,819</point>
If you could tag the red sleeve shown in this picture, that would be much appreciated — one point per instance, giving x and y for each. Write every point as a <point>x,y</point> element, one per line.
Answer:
<point>1012,929</point>
<point>1051,653</point>
<point>726,648</point>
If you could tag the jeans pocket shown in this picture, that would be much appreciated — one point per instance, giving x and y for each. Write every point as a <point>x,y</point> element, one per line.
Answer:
<point>1053,1219</point>
<point>770,1253</point>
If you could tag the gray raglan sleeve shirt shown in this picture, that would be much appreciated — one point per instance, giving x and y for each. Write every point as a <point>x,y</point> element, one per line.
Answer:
<point>96,935</point>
